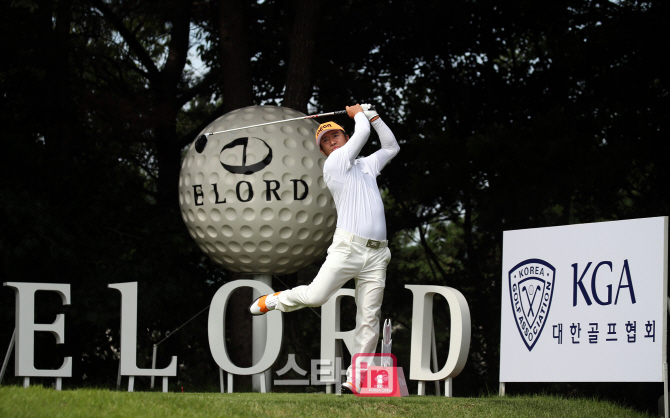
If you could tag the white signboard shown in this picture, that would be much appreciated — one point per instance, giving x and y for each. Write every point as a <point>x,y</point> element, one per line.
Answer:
<point>585,303</point>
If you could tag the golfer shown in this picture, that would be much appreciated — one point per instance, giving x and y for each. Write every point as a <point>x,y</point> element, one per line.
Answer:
<point>359,249</point>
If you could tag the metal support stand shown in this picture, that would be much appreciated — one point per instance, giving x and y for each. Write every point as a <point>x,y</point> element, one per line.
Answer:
<point>264,388</point>
<point>501,389</point>
<point>9,353</point>
<point>153,365</point>
<point>221,380</point>
<point>448,385</point>
<point>434,358</point>
<point>131,383</point>
<point>666,407</point>
<point>337,375</point>
<point>261,382</point>
<point>421,390</point>
<point>665,389</point>
<point>230,383</point>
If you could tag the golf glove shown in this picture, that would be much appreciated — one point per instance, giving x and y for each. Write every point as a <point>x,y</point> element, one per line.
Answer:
<point>369,111</point>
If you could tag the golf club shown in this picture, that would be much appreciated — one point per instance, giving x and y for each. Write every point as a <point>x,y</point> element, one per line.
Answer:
<point>201,142</point>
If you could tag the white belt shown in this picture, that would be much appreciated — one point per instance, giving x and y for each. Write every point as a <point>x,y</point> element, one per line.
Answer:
<point>370,243</point>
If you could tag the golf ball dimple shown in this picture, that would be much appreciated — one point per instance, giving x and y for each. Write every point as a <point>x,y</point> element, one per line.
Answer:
<point>267,214</point>
<point>308,145</point>
<point>288,160</point>
<point>215,215</point>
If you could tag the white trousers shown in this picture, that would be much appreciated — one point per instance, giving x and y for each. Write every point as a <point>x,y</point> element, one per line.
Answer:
<point>346,260</point>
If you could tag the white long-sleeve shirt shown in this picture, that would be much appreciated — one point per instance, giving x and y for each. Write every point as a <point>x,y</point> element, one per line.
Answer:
<point>352,181</point>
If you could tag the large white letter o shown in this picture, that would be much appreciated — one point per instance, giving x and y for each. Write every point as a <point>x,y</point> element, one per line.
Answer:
<point>217,333</point>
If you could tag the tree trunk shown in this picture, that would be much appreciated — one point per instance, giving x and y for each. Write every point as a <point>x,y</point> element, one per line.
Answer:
<point>299,76</point>
<point>166,107</point>
<point>235,57</point>
<point>59,115</point>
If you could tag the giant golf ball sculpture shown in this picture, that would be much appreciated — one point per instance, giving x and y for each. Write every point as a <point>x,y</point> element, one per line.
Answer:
<point>255,200</point>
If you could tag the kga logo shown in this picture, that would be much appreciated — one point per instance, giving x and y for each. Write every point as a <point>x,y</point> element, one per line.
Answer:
<point>531,287</point>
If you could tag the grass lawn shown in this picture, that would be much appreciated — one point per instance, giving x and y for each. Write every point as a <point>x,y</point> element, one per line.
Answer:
<point>45,402</point>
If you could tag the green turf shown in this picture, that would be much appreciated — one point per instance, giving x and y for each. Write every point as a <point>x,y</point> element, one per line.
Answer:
<point>43,402</point>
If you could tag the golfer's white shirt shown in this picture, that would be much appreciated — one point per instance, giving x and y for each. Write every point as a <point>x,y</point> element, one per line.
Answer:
<point>352,181</point>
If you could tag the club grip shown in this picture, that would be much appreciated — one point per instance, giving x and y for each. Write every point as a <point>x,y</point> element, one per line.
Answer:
<point>340,112</point>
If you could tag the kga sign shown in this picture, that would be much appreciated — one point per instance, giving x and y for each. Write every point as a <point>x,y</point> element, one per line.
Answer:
<point>577,300</point>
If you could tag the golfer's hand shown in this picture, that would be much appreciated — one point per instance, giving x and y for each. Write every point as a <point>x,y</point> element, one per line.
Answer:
<point>353,110</point>
<point>369,112</point>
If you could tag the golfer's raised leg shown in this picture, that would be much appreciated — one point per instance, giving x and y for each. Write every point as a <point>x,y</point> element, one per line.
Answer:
<point>340,266</point>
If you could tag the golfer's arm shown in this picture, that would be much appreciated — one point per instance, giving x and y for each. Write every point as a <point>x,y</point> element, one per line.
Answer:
<point>359,138</point>
<point>390,147</point>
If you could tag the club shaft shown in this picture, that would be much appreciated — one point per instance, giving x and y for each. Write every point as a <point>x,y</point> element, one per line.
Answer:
<point>339,112</point>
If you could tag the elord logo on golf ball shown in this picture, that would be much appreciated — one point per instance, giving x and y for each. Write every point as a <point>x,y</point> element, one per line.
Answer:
<point>244,168</point>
